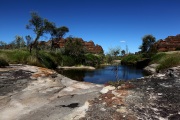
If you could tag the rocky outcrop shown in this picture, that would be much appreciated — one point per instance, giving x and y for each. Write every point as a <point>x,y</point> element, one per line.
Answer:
<point>170,43</point>
<point>89,46</point>
<point>154,97</point>
<point>151,69</point>
<point>35,93</point>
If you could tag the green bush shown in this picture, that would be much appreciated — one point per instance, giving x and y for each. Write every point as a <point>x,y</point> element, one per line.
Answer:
<point>131,59</point>
<point>33,60</point>
<point>3,63</point>
<point>178,49</point>
<point>68,61</point>
<point>92,59</point>
<point>47,60</point>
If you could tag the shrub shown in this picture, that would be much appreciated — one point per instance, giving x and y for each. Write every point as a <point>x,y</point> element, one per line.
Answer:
<point>68,61</point>
<point>3,63</point>
<point>92,60</point>
<point>47,60</point>
<point>131,59</point>
<point>33,60</point>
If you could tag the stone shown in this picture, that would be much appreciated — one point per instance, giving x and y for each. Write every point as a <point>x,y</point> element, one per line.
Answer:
<point>103,109</point>
<point>106,89</point>
<point>122,110</point>
<point>151,69</point>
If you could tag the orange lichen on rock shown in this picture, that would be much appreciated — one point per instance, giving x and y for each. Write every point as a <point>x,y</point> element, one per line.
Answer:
<point>114,97</point>
<point>43,72</point>
<point>126,86</point>
<point>107,95</point>
<point>122,92</point>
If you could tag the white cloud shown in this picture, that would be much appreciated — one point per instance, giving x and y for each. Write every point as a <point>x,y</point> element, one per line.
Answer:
<point>122,41</point>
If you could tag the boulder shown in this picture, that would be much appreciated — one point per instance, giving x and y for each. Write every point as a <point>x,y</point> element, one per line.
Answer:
<point>151,69</point>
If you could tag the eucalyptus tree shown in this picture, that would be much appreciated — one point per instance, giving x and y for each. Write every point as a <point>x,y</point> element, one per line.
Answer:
<point>28,40</point>
<point>56,32</point>
<point>123,52</point>
<point>74,48</point>
<point>61,31</point>
<point>39,25</point>
<point>3,44</point>
<point>147,43</point>
<point>19,42</point>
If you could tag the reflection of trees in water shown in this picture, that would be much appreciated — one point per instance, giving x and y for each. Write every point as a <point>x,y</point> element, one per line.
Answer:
<point>107,73</point>
<point>122,72</point>
<point>73,74</point>
<point>115,69</point>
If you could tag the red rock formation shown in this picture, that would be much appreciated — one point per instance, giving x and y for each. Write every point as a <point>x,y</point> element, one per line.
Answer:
<point>89,46</point>
<point>170,43</point>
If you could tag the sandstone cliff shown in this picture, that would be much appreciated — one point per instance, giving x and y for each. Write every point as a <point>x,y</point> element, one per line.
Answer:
<point>170,43</point>
<point>60,43</point>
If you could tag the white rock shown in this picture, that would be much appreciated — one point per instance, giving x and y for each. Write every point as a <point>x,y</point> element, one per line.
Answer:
<point>122,110</point>
<point>115,93</point>
<point>103,109</point>
<point>106,89</point>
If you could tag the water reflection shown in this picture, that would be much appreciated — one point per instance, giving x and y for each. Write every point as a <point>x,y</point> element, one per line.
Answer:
<point>105,74</point>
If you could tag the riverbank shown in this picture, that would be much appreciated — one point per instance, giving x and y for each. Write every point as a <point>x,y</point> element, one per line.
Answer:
<point>30,92</point>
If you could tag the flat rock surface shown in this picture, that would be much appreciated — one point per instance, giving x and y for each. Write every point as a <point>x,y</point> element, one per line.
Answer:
<point>35,93</point>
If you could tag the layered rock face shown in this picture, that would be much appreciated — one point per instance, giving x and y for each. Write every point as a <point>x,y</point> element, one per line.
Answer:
<point>89,46</point>
<point>170,43</point>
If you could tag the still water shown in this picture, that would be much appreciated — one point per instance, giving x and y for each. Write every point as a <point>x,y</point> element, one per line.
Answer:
<point>104,74</point>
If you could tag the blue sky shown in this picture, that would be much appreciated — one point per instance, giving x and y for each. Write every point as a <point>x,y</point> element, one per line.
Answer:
<point>109,23</point>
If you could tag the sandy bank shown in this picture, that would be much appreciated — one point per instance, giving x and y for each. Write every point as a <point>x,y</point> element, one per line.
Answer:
<point>76,68</point>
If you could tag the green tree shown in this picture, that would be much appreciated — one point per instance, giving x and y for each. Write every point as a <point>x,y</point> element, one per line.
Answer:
<point>114,52</point>
<point>123,52</point>
<point>61,31</point>
<point>19,42</point>
<point>55,32</point>
<point>28,40</point>
<point>2,44</point>
<point>39,25</point>
<point>74,48</point>
<point>147,43</point>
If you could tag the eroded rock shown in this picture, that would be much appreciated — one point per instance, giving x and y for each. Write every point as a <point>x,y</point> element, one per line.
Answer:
<point>33,93</point>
